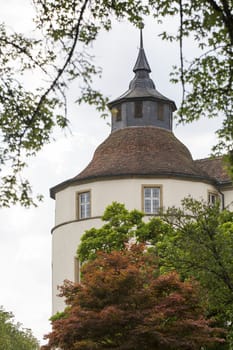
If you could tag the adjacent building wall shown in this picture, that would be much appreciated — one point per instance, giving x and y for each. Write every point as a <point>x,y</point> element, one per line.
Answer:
<point>228,197</point>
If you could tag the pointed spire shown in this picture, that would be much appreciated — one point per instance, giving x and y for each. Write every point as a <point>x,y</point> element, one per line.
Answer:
<point>142,70</point>
<point>141,63</point>
<point>141,39</point>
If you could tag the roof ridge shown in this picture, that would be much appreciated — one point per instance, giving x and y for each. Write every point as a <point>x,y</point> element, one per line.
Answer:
<point>209,158</point>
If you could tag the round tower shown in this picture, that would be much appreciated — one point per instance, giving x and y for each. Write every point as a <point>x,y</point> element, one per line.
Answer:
<point>141,164</point>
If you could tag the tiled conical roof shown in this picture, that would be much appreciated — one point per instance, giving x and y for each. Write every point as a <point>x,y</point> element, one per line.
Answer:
<point>139,152</point>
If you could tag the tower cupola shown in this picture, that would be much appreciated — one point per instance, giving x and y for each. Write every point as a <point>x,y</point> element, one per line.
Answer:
<point>142,104</point>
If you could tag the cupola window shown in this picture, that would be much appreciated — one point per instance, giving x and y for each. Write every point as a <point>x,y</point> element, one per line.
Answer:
<point>151,199</point>
<point>160,111</point>
<point>116,113</point>
<point>138,109</point>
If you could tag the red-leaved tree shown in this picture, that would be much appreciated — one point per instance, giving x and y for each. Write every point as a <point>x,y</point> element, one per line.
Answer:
<point>123,303</point>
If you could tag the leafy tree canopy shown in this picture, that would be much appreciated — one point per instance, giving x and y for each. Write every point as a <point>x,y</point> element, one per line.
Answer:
<point>13,336</point>
<point>59,52</point>
<point>124,303</point>
<point>195,240</point>
<point>121,225</point>
<point>200,245</point>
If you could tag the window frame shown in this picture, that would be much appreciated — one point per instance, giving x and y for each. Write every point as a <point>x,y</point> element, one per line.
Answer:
<point>117,112</point>
<point>160,109</point>
<point>214,194</point>
<point>152,186</point>
<point>138,109</point>
<point>78,205</point>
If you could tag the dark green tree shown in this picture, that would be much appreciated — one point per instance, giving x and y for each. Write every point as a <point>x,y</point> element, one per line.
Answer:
<point>199,243</point>
<point>121,225</point>
<point>13,336</point>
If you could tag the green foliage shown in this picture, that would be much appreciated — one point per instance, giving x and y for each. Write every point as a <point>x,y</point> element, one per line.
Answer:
<point>200,245</point>
<point>114,235</point>
<point>124,303</point>
<point>57,316</point>
<point>26,119</point>
<point>13,336</point>
<point>121,227</point>
<point>195,240</point>
<point>207,79</point>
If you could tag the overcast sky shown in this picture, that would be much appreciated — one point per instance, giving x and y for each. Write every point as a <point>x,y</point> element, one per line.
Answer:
<point>25,249</point>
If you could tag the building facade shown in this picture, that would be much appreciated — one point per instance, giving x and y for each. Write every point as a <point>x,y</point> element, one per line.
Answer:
<point>141,164</point>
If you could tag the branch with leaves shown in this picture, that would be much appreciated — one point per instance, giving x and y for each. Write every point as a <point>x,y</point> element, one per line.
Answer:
<point>13,335</point>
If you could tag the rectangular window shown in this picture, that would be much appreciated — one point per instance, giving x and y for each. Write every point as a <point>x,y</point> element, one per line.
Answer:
<point>151,200</point>
<point>212,198</point>
<point>116,113</point>
<point>138,109</point>
<point>160,111</point>
<point>84,205</point>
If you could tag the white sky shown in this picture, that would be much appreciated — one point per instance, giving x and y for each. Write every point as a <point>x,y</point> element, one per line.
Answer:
<point>25,249</point>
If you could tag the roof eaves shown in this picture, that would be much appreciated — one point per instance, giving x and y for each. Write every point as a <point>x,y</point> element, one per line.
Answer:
<point>126,98</point>
<point>76,181</point>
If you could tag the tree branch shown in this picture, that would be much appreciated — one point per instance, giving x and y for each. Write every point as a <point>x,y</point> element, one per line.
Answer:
<point>226,16</point>
<point>61,71</point>
<point>181,54</point>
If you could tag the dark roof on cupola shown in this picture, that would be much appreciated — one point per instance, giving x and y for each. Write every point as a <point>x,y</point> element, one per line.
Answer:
<point>142,86</point>
<point>141,63</point>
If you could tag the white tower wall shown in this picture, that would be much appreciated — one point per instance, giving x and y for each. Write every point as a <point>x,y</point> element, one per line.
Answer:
<point>68,229</point>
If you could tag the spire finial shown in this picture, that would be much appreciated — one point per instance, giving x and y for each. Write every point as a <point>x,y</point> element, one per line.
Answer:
<point>141,38</point>
<point>141,63</point>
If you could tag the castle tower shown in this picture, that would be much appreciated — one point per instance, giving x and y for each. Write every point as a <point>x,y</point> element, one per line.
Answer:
<point>141,164</point>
